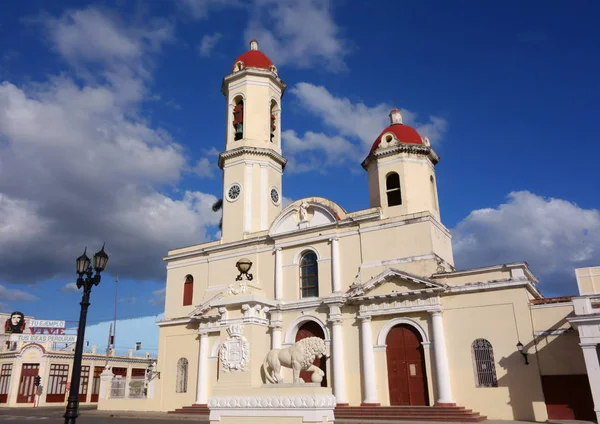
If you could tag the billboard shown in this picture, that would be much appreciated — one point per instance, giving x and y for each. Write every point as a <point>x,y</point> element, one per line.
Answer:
<point>36,331</point>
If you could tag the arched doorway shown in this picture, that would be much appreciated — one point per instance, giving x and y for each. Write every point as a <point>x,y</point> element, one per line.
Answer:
<point>312,329</point>
<point>406,366</point>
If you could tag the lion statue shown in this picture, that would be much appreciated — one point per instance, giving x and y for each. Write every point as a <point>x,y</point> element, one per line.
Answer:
<point>299,357</point>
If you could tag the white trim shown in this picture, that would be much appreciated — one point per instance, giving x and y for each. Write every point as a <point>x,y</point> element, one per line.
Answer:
<point>214,352</point>
<point>307,303</point>
<point>244,82</point>
<point>174,322</point>
<point>551,305</point>
<point>399,260</point>
<point>304,250</point>
<point>401,159</point>
<point>396,321</point>
<point>311,408</point>
<point>557,332</point>
<point>253,162</point>
<point>248,199</point>
<point>290,334</point>
<point>263,197</point>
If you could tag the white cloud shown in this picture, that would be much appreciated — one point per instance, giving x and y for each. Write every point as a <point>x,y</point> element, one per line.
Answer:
<point>95,170</point>
<point>299,33</point>
<point>553,235</point>
<point>208,43</point>
<point>199,9</point>
<point>70,288</point>
<point>205,168</point>
<point>158,297</point>
<point>286,201</point>
<point>15,295</point>
<point>316,151</point>
<point>359,120</point>
<point>356,127</point>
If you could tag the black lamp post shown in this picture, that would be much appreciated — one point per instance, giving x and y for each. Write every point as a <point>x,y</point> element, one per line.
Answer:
<point>86,279</point>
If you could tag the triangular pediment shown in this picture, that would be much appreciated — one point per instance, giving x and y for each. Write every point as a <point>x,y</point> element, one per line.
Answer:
<point>393,281</point>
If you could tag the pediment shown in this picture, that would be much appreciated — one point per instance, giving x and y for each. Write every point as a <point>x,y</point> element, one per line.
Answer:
<point>307,213</point>
<point>393,281</point>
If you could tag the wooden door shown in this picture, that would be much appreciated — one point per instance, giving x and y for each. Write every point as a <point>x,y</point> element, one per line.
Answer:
<point>568,397</point>
<point>96,384</point>
<point>312,329</point>
<point>5,375</point>
<point>84,381</point>
<point>26,392</point>
<point>57,383</point>
<point>407,380</point>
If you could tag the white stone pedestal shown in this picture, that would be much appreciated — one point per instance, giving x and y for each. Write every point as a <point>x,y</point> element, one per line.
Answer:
<point>275,403</point>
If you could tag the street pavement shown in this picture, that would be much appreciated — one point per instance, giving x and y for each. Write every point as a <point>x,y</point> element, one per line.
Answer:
<point>89,416</point>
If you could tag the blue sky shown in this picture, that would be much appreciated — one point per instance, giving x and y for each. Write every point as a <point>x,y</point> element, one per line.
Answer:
<point>111,115</point>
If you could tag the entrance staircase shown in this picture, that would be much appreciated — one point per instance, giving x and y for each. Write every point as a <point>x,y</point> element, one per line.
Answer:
<point>195,409</point>
<point>408,413</point>
<point>380,413</point>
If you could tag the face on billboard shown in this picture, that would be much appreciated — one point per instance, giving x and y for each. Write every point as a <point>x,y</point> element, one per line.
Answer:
<point>15,324</point>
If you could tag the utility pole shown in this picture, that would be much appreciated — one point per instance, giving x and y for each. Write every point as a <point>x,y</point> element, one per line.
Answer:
<point>115,316</point>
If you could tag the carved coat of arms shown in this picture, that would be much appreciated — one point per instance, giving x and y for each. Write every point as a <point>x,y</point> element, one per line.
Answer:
<point>234,353</point>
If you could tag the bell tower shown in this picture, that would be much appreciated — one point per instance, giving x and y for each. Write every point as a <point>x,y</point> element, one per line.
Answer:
<point>401,171</point>
<point>252,163</point>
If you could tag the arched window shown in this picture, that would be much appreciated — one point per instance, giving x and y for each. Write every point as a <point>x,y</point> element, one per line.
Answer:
<point>433,193</point>
<point>238,119</point>
<point>309,275</point>
<point>273,122</point>
<point>483,361</point>
<point>188,290</point>
<point>182,376</point>
<point>392,189</point>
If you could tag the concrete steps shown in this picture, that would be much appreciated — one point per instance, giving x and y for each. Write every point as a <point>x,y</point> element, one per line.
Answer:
<point>195,409</point>
<point>408,413</point>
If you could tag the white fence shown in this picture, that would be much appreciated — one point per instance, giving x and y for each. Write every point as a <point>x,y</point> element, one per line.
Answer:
<point>132,388</point>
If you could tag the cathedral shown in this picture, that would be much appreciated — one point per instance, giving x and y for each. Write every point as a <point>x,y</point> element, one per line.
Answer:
<point>407,335</point>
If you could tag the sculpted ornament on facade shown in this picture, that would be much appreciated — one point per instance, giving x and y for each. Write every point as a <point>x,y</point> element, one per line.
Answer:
<point>241,289</point>
<point>234,353</point>
<point>298,357</point>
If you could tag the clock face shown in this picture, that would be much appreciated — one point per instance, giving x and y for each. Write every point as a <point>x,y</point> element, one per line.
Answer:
<point>275,195</point>
<point>234,191</point>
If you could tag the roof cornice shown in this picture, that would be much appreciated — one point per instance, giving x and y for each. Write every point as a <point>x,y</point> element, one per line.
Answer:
<point>256,151</point>
<point>251,71</point>
<point>418,149</point>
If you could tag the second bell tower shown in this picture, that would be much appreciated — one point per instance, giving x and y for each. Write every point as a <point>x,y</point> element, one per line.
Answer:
<point>252,163</point>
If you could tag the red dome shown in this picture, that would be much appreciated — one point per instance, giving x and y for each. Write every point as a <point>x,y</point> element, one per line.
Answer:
<point>254,58</point>
<point>403,133</point>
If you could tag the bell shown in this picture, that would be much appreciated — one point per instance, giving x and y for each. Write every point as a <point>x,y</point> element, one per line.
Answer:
<point>239,131</point>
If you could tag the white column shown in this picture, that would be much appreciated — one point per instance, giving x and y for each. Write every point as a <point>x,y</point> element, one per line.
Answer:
<point>335,265</point>
<point>368,362</point>
<point>247,195</point>
<point>276,324</point>
<point>441,360</point>
<point>264,194</point>
<point>339,377</point>
<point>590,356</point>
<point>278,275</point>
<point>202,392</point>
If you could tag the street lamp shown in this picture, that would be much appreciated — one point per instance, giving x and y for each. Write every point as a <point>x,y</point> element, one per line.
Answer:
<point>86,279</point>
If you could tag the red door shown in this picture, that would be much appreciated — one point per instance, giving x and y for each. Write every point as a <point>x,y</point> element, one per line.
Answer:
<point>5,375</point>
<point>406,367</point>
<point>312,329</point>
<point>84,382</point>
<point>96,384</point>
<point>57,383</point>
<point>568,397</point>
<point>27,383</point>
